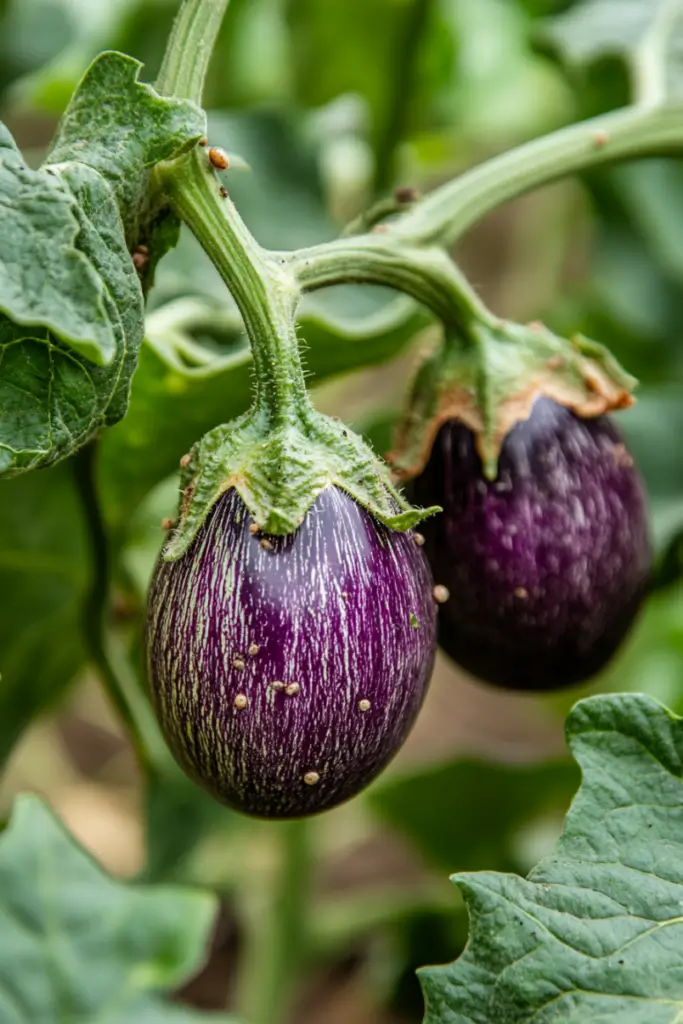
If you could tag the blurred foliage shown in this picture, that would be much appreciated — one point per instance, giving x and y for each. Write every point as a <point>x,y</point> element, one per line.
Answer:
<point>329,102</point>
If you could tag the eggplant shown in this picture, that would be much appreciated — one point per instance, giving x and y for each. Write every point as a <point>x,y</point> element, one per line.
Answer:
<point>547,565</point>
<point>287,671</point>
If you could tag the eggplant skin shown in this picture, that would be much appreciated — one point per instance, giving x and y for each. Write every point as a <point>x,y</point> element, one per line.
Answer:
<point>547,565</point>
<point>287,671</point>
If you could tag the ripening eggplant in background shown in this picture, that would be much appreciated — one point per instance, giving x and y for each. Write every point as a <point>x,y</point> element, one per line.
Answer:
<point>287,671</point>
<point>547,564</point>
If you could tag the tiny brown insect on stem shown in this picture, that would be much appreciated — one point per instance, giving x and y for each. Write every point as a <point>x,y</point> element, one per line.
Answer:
<point>219,158</point>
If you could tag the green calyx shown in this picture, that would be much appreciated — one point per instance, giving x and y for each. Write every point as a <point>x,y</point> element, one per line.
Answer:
<point>279,471</point>
<point>490,380</point>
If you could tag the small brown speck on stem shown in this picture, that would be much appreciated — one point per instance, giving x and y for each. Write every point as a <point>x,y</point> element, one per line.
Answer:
<point>440,593</point>
<point>311,778</point>
<point>600,139</point>
<point>223,192</point>
<point>266,544</point>
<point>239,663</point>
<point>292,689</point>
<point>241,701</point>
<point>140,259</point>
<point>364,705</point>
<point>167,523</point>
<point>203,141</point>
<point>253,649</point>
<point>379,229</point>
<point>406,194</point>
<point>219,158</point>
<point>185,461</point>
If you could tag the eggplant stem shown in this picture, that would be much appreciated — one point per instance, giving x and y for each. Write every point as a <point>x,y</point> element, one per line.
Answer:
<point>108,657</point>
<point>277,927</point>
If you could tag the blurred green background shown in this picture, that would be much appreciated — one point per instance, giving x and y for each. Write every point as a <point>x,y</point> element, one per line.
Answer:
<point>331,103</point>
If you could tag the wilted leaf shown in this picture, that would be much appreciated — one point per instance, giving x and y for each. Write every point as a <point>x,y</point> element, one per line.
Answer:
<point>79,946</point>
<point>594,933</point>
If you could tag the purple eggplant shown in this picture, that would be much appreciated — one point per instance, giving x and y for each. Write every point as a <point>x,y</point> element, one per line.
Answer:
<point>546,565</point>
<point>287,671</point>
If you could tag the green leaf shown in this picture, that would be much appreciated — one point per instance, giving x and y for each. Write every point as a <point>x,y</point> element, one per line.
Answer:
<point>43,581</point>
<point>181,390</point>
<point>643,33</point>
<point>45,280</point>
<point>135,128</point>
<point>71,297</point>
<point>475,810</point>
<point>594,933</point>
<point>53,399</point>
<point>79,946</point>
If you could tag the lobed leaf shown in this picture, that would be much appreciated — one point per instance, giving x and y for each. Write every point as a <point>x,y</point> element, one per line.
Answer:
<point>78,945</point>
<point>71,305</point>
<point>594,933</point>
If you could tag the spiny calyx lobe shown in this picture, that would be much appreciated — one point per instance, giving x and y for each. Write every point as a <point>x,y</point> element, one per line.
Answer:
<point>279,470</point>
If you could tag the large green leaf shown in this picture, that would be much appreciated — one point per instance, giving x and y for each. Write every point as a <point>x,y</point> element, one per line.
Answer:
<point>71,299</point>
<point>641,32</point>
<point>475,811</point>
<point>78,946</point>
<point>181,391</point>
<point>594,933</point>
<point>43,581</point>
<point>135,128</point>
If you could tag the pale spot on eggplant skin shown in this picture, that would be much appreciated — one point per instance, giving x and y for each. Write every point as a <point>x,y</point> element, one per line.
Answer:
<point>253,649</point>
<point>241,701</point>
<point>239,664</point>
<point>277,685</point>
<point>254,528</point>
<point>266,544</point>
<point>364,705</point>
<point>292,689</point>
<point>311,778</point>
<point>441,594</point>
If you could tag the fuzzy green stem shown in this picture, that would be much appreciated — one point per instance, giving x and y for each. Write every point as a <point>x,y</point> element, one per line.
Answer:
<point>262,285</point>
<point>189,48</point>
<point>428,274</point>
<point>447,213</point>
<point>277,938</point>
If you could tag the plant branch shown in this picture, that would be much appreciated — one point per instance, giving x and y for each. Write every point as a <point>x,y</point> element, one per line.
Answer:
<point>649,67</point>
<point>263,287</point>
<point>108,658</point>
<point>189,48</point>
<point>427,274</point>
<point>277,936</point>
<point>445,215</point>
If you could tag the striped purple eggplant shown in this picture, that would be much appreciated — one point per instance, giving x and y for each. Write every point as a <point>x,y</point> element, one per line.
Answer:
<point>287,671</point>
<point>548,564</point>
